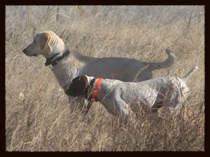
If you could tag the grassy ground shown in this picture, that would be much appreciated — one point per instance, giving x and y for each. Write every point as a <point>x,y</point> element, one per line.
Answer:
<point>38,117</point>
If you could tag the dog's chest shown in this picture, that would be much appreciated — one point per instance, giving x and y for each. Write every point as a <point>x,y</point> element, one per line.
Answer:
<point>65,72</point>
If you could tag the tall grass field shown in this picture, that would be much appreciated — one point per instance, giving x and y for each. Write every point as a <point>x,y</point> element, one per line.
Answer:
<point>38,116</point>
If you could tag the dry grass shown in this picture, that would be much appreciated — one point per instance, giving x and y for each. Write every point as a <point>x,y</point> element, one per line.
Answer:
<point>37,110</point>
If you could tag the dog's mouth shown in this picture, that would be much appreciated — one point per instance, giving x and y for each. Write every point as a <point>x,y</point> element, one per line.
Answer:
<point>35,55</point>
<point>66,90</point>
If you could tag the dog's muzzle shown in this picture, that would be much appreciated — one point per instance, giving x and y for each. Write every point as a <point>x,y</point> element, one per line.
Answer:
<point>67,90</point>
<point>24,51</point>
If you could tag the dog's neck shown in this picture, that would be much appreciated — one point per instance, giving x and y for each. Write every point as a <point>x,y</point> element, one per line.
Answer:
<point>93,87</point>
<point>55,58</point>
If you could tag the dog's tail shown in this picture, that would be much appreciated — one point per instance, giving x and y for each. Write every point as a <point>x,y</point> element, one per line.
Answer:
<point>185,77</point>
<point>159,65</point>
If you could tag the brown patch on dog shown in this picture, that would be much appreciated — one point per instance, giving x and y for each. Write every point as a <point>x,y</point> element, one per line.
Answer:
<point>43,42</point>
<point>82,85</point>
<point>77,87</point>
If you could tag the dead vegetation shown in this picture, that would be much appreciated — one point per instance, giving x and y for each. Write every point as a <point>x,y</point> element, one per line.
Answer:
<point>37,110</point>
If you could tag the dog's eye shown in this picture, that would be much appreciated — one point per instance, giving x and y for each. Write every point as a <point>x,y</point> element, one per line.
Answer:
<point>34,41</point>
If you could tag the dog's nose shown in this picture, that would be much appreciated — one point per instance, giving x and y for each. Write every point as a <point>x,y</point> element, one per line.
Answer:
<point>24,50</point>
<point>67,92</point>
<point>66,87</point>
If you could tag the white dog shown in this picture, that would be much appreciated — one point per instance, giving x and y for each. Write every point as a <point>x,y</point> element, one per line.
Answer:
<point>127,98</point>
<point>67,65</point>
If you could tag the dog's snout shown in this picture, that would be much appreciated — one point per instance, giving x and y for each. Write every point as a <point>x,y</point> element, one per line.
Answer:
<point>24,51</point>
<point>66,89</point>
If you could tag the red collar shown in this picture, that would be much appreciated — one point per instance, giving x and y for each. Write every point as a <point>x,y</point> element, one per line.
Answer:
<point>96,88</point>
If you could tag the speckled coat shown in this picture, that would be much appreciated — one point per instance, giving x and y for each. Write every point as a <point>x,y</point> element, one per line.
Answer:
<point>129,98</point>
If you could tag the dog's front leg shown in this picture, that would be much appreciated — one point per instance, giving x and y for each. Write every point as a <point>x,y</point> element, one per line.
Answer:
<point>123,110</point>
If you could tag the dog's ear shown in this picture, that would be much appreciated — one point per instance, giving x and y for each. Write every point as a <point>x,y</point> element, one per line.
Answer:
<point>82,84</point>
<point>44,42</point>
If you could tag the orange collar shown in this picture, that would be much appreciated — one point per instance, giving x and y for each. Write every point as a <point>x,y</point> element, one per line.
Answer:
<point>96,88</point>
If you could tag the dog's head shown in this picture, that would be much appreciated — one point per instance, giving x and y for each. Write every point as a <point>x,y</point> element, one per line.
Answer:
<point>78,86</point>
<point>45,43</point>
